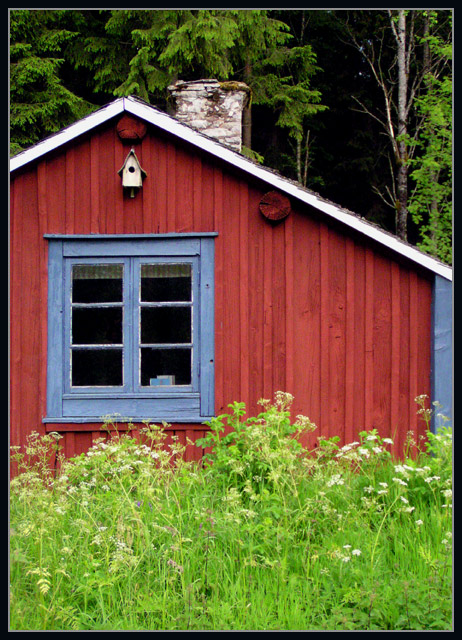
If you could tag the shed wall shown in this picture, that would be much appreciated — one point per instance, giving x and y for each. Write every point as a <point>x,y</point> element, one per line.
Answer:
<point>300,306</point>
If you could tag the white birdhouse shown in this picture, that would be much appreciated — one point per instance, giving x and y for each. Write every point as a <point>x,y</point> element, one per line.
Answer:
<point>132,173</point>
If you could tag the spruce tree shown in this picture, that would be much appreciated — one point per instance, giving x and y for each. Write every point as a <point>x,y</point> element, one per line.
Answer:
<point>40,103</point>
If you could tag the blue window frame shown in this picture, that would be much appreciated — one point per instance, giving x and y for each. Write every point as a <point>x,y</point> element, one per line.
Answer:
<point>130,327</point>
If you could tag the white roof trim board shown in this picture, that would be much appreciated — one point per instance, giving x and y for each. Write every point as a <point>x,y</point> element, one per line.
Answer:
<point>168,123</point>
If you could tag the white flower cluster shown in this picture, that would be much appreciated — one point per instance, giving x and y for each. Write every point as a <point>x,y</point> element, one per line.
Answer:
<point>344,556</point>
<point>336,479</point>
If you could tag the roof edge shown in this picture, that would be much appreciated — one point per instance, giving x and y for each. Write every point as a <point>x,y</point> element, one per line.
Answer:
<point>67,134</point>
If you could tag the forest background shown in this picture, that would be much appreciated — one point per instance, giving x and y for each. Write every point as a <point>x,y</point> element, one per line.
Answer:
<point>353,104</point>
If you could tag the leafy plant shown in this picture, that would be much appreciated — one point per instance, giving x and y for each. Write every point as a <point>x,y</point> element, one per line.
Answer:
<point>264,535</point>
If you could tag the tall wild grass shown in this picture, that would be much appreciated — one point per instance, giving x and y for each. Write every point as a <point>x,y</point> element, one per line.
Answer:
<point>264,535</point>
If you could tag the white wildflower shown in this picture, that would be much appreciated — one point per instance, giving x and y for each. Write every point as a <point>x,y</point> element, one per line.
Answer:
<point>405,500</point>
<point>356,552</point>
<point>363,452</point>
<point>346,559</point>
<point>399,481</point>
<point>371,437</point>
<point>419,522</point>
<point>347,546</point>
<point>387,441</point>
<point>369,489</point>
<point>447,493</point>
<point>383,484</point>
<point>377,450</point>
<point>336,479</point>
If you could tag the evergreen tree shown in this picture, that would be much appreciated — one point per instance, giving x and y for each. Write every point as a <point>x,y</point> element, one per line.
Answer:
<point>40,104</point>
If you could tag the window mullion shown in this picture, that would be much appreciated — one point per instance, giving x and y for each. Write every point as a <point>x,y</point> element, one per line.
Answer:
<point>130,324</point>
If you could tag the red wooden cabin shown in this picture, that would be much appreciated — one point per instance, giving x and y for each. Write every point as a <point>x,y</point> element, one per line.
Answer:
<point>319,303</point>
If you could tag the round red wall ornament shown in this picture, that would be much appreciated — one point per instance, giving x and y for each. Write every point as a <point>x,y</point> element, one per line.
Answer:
<point>131,129</point>
<point>275,206</point>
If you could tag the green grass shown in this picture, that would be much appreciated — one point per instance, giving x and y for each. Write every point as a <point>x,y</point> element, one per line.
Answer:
<point>268,536</point>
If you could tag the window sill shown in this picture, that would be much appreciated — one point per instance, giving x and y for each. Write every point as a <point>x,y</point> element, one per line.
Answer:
<point>123,424</point>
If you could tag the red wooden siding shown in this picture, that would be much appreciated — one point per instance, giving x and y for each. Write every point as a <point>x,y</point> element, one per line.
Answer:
<point>301,306</point>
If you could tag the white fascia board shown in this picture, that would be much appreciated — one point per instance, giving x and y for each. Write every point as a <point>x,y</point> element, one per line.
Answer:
<point>171,125</point>
<point>66,135</point>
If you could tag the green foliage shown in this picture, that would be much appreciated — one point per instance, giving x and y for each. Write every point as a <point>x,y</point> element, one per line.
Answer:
<point>256,451</point>
<point>431,201</point>
<point>266,535</point>
<point>40,104</point>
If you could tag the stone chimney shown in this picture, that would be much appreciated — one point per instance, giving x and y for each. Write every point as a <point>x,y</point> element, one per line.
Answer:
<point>211,107</point>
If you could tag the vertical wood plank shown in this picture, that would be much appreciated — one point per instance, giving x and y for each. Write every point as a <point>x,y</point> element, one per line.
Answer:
<point>207,221</point>
<point>43,260</point>
<point>278,310</point>
<point>395,349</point>
<point>197,222</point>
<point>368,340</point>
<point>404,380</point>
<point>16,204</point>
<point>231,292</point>
<point>184,193</point>
<point>256,313</point>
<point>324,412</point>
<point>424,345</point>
<point>350,351</point>
<point>82,192</point>
<point>29,292</point>
<point>413,350</point>
<point>120,152</point>
<point>359,338</point>
<point>268,390</point>
<point>382,344</point>
<point>289,302</point>
<point>69,190</point>
<point>69,444</point>
<point>107,180</point>
<point>305,332</point>
<point>244,346</point>
<point>337,334</point>
<point>171,188</point>
<point>94,185</point>
<point>219,296</point>
<point>160,187</point>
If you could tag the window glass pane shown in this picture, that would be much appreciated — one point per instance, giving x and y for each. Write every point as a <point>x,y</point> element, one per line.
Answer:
<point>161,367</point>
<point>96,325</point>
<point>97,283</point>
<point>165,325</point>
<point>165,282</point>
<point>97,367</point>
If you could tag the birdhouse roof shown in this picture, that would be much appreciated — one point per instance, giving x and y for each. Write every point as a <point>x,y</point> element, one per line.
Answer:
<point>132,154</point>
<point>165,122</point>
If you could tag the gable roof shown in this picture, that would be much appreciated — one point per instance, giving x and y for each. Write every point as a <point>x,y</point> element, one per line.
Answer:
<point>154,116</point>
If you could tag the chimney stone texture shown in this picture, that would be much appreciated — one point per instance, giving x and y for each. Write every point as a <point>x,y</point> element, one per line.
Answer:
<point>211,107</point>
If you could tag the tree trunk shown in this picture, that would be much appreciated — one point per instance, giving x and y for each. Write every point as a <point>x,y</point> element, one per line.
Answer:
<point>402,160</point>
<point>246,114</point>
